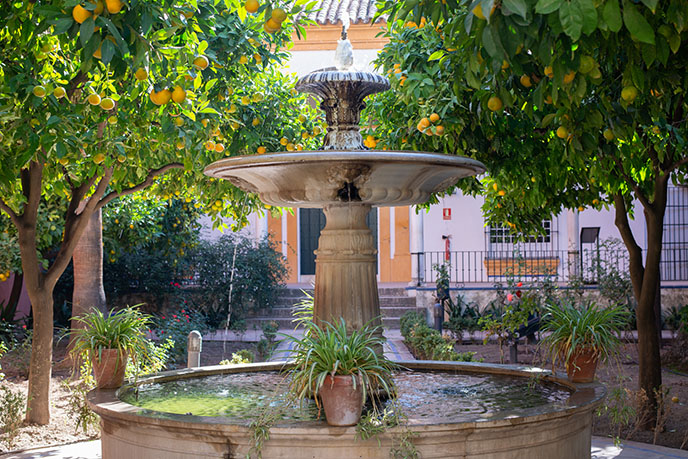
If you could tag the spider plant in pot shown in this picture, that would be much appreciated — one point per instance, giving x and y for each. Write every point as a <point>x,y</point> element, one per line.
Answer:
<point>581,336</point>
<point>108,341</point>
<point>339,369</point>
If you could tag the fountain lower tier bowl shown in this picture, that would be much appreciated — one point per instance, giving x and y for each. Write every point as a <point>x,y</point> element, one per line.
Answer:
<point>526,412</point>
<point>319,178</point>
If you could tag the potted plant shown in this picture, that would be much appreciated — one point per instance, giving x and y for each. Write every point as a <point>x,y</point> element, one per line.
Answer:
<point>339,369</point>
<point>581,336</point>
<point>108,341</point>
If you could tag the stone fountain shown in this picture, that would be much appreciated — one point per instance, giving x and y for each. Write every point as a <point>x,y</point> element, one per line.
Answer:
<point>347,180</point>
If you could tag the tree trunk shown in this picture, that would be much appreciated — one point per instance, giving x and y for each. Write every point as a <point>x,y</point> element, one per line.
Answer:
<point>649,360</point>
<point>87,259</point>
<point>40,370</point>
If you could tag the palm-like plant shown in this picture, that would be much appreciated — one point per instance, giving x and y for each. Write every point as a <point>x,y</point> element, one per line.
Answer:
<point>570,329</point>
<point>330,350</point>
<point>123,330</point>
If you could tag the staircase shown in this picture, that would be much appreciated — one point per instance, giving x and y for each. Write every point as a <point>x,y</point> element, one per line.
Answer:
<point>394,302</point>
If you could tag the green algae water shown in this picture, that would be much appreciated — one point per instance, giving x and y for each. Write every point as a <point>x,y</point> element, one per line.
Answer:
<point>423,396</point>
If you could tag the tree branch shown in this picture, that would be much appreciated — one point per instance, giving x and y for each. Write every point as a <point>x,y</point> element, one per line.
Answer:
<point>76,222</point>
<point>147,182</point>
<point>32,180</point>
<point>635,253</point>
<point>8,210</point>
<point>634,185</point>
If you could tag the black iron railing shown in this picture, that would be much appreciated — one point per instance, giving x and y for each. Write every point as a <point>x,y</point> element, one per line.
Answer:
<point>469,267</point>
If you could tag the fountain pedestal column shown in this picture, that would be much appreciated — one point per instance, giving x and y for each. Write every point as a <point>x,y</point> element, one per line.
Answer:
<point>345,270</point>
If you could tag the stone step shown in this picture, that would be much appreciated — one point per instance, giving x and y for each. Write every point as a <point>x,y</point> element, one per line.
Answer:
<point>395,311</point>
<point>397,301</point>
<point>392,291</point>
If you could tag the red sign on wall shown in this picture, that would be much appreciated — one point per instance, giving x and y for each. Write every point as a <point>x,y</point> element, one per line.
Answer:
<point>446,213</point>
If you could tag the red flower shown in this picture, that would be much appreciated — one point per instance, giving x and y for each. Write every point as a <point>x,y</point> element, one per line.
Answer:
<point>183,311</point>
<point>518,293</point>
<point>174,316</point>
<point>187,316</point>
<point>176,284</point>
<point>520,284</point>
<point>163,317</point>
<point>509,297</point>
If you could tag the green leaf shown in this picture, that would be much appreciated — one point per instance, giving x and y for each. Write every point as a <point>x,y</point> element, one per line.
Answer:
<point>612,15</point>
<point>587,8</point>
<point>674,42</point>
<point>652,4</point>
<point>571,19</point>
<point>637,25</point>
<point>437,55</point>
<point>547,120</point>
<point>62,25</point>
<point>107,51</point>
<point>488,43</point>
<point>547,6</point>
<point>86,31</point>
<point>517,6</point>
<point>649,54</point>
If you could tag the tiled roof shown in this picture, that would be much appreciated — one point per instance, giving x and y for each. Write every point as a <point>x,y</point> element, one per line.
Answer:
<point>330,11</point>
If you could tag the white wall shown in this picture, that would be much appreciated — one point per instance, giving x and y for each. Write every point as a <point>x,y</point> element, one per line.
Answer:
<point>465,227</point>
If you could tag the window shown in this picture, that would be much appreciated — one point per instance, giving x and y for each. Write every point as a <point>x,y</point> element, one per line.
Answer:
<point>500,240</point>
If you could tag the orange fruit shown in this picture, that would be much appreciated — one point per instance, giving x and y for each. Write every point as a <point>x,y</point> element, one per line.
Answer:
<point>210,145</point>
<point>284,141</point>
<point>98,53</point>
<point>434,118</point>
<point>201,62</point>
<point>39,91</point>
<point>94,99</point>
<point>179,122</point>
<point>99,158</point>
<point>549,72</point>
<point>494,103</point>
<point>251,6</point>
<point>569,77</point>
<point>279,15</point>
<point>178,95</point>
<point>271,23</point>
<point>424,123</point>
<point>243,60</point>
<point>164,96</point>
<point>629,93</point>
<point>114,6</point>
<point>180,145</point>
<point>219,147</point>
<point>141,74</point>
<point>107,104</point>
<point>80,14</point>
<point>525,81</point>
<point>439,130</point>
<point>59,92</point>
<point>99,8</point>
<point>562,132</point>
<point>261,150</point>
<point>608,134</point>
<point>255,121</point>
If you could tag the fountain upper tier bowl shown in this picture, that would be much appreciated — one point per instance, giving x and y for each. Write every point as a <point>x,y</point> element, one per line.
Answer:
<point>319,178</point>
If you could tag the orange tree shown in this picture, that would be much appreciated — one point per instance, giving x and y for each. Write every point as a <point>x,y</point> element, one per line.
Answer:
<point>102,99</point>
<point>570,103</point>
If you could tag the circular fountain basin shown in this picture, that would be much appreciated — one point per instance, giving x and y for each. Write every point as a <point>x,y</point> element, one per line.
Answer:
<point>318,178</point>
<point>471,426</point>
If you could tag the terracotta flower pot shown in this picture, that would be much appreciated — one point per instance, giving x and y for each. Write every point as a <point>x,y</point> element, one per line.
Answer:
<point>108,370</point>
<point>581,367</point>
<point>342,403</point>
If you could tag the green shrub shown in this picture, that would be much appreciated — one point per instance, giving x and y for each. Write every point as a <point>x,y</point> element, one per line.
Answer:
<point>259,274</point>
<point>428,344</point>
<point>11,414</point>
<point>176,326</point>
<point>409,320</point>
<point>462,316</point>
<point>239,357</point>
